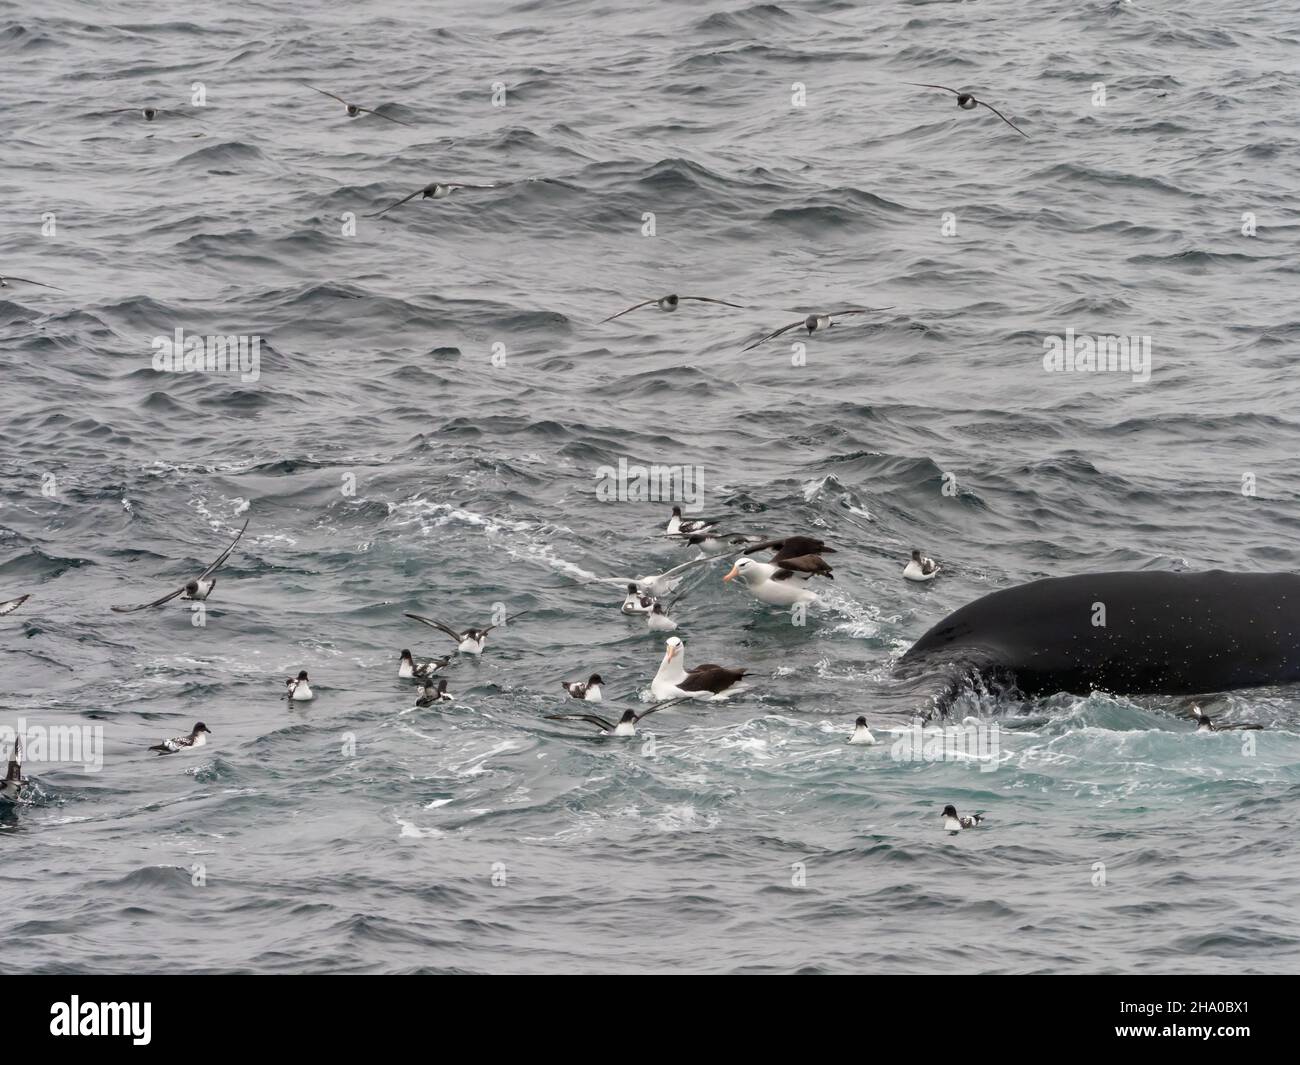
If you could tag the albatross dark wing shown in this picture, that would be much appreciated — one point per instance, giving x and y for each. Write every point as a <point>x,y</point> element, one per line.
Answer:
<point>792,547</point>
<point>813,564</point>
<point>710,678</point>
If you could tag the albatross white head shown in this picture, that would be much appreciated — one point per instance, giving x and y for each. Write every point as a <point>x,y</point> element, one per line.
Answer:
<point>761,581</point>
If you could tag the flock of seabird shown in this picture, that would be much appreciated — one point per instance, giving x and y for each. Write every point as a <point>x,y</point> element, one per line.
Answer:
<point>436,190</point>
<point>784,580</point>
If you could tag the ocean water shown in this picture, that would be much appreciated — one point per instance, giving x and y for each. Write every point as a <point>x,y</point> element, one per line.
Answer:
<point>435,398</point>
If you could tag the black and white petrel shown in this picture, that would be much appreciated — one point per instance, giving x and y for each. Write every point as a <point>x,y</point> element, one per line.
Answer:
<point>626,724</point>
<point>680,526</point>
<point>814,323</point>
<point>967,102</point>
<point>198,589</point>
<point>435,190</point>
<point>953,823</point>
<point>659,620</point>
<point>146,112</point>
<point>430,694</point>
<point>197,738</point>
<point>921,568</point>
<point>468,641</point>
<point>297,689</point>
<point>353,110</point>
<point>589,690</point>
<point>861,734</point>
<point>1204,724</point>
<point>667,303</point>
<point>409,669</point>
<point>636,603</point>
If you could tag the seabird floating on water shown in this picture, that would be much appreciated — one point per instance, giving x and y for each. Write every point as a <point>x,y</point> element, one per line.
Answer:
<point>198,589</point>
<point>468,641</point>
<point>410,669</point>
<point>953,823</point>
<point>1204,724</point>
<point>197,738</point>
<point>636,603</point>
<point>814,323</point>
<point>353,110</point>
<point>967,102</point>
<point>710,541</point>
<point>11,788</point>
<point>436,190</point>
<point>679,526</point>
<point>861,734</point>
<point>297,689</point>
<point>699,682</point>
<point>430,694</point>
<point>772,584</point>
<point>658,619</point>
<point>589,690</point>
<point>921,568</point>
<point>784,580</point>
<point>10,605</point>
<point>802,554</point>
<point>667,303</point>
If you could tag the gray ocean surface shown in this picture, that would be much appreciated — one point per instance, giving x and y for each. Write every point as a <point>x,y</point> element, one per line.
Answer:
<point>445,361</point>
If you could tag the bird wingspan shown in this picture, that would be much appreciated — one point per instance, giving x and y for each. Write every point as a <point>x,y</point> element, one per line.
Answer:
<point>380,114</point>
<point>1004,118</point>
<point>434,623</point>
<point>710,299</point>
<point>594,719</point>
<point>329,94</point>
<point>927,85</point>
<point>507,621</point>
<point>634,307</point>
<point>399,202</point>
<point>224,554</point>
<point>777,333</point>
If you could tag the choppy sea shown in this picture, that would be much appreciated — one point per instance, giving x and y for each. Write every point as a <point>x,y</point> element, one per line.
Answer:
<point>435,398</point>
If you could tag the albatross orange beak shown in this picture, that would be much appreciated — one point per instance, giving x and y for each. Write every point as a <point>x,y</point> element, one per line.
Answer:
<point>735,570</point>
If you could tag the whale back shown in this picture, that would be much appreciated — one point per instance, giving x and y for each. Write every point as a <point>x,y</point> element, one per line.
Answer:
<point>1127,633</point>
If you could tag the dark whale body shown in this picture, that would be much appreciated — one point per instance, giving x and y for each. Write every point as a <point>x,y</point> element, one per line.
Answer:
<point>1163,634</point>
